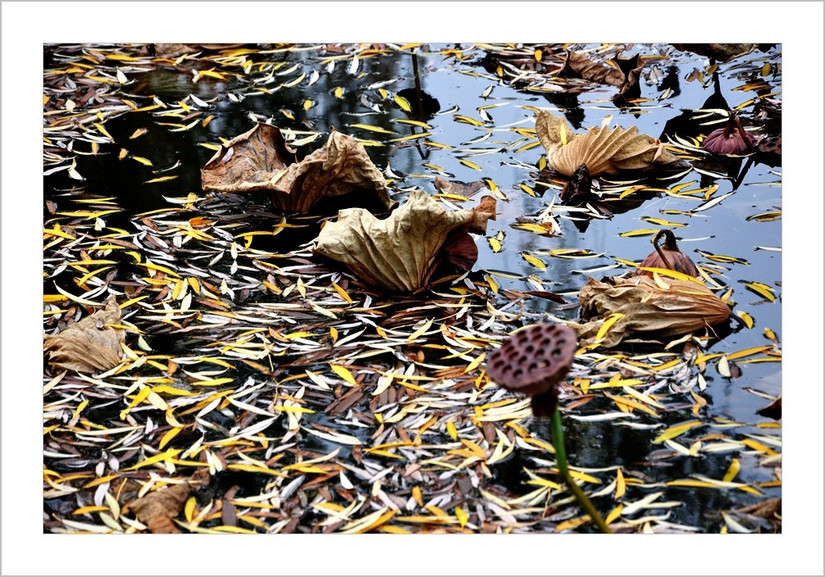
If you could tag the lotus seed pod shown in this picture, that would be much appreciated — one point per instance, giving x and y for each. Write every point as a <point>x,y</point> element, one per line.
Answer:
<point>533,361</point>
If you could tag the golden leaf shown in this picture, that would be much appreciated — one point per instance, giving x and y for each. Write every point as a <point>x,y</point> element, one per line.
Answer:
<point>401,252</point>
<point>650,310</point>
<point>604,150</point>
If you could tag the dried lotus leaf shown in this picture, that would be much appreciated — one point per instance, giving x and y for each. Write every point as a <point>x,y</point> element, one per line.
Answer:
<point>158,509</point>
<point>460,188</point>
<point>579,64</point>
<point>259,160</point>
<point>341,167</point>
<point>648,309</point>
<point>400,252</point>
<point>90,345</point>
<point>251,161</point>
<point>604,150</point>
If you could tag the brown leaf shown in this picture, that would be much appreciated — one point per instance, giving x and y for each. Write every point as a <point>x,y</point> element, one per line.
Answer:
<point>175,50</point>
<point>768,509</point>
<point>648,309</point>
<point>720,52</point>
<point>604,150</point>
<point>580,65</point>
<point>158,509</point>
<point>90,345</point>
<point>457,256</point>
<point>248,162</point>
<point>260,160</point>
<point>629,89</point>
<point>773,410</point>
<point>578,190</point>
<point>399,253</point>
<point>460,188</point>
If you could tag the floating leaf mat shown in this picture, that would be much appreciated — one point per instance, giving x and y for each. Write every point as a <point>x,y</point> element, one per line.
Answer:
<point>255,387</point>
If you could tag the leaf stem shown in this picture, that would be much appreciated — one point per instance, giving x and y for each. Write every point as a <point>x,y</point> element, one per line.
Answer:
<point>561,462</point>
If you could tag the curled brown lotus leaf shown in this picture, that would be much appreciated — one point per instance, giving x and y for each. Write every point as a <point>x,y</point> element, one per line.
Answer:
<point>460,188</point>
<point>649,309</point>
<point>91,345</point>
<point>399,253</point>
<point>604,150</point>
<point>158,509</point>
<point>721,52</point>
<point>579,64</point>
<point>261,160</point>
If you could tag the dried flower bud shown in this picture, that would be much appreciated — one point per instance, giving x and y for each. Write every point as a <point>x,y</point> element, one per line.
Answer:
<point>668,256</point>
<point>731,139</point>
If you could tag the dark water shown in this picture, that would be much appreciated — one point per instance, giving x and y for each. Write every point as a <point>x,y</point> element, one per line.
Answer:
<point>724,229</point>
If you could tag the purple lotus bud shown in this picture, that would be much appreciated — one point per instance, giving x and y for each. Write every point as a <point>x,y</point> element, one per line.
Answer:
<point>731,139</point>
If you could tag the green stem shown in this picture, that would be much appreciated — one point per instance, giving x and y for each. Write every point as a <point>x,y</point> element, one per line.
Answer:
<point>561,462</point>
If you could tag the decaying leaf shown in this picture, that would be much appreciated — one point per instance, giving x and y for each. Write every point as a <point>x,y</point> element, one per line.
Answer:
<point>757,518</point>
<point>668,256</point>
<point>461,188</point>
<point>158,509</point>
<point>260,160</point>
<point>176,50</point>
<point>623,73</point>
<point>578,190</point>
<point>90,345</point>
<point>770,509</point>
<point>773,410</point>
<point>399,253</point>
<point>579,64</point>
<point>641,307</point>
<point>721,52</point>
<point>604,150</point>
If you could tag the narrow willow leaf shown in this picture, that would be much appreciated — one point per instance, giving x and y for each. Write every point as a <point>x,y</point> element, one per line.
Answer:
<point>676,431</point>
<point>611,320</point>
<point>534,261</point>
<point>639,232</point>
<point>712,202</point>
<point>161,179</point>
<point>761,289</point>
<point>470,164</point>
<point>343,372</point>
<point>402,103</point>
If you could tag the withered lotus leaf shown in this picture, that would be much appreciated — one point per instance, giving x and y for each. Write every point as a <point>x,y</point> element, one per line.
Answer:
<point>260,160</point>
<point>604,150</point>
<point>458,254</point>
<point>91,345</point>
<point>461,188</point>
<point>721,52</point>
<point>157,509</point>
<point>648,309</point>
<point>401,252</point>
<point>623,73</point>
<point>578,190</point>
<point>581,65</point>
